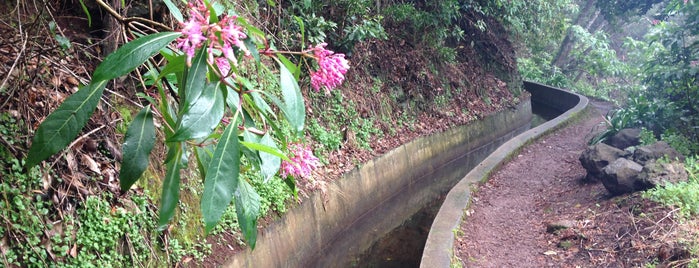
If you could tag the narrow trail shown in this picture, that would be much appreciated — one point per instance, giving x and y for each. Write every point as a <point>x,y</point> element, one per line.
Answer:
<point>506,225</point>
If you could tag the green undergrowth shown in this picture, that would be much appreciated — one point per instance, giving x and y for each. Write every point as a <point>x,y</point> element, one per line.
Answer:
<point>37,232</point>
<point>338,121</point>
<point>682,195</point>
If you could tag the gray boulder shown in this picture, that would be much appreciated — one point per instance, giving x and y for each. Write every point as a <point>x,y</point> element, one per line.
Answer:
<point>655,151</point>
<point>598,156</point>
<point>660,173</point>
<point>621,176</point>
<point>625,138</point>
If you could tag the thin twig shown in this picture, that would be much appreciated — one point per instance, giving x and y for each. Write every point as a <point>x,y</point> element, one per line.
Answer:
<point>19,55</point>
<point>83,137</point>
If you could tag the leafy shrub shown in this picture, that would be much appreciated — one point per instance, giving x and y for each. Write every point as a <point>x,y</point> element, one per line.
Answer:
<point>680,142</point>
<point>647,137</point>
<point>683,195</point>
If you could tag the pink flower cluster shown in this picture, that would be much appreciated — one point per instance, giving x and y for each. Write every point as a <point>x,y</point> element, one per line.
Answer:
<point>332,68</point>
<point>302,162</point>
<point>222,37</point>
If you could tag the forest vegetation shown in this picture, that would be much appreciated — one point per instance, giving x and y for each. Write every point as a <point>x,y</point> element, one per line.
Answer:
<point>391,71</point>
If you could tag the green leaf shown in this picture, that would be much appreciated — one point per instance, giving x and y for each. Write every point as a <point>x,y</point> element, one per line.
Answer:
<point>264,147</point>
<point>131,55</point>
<point>247,207</point>
<point>301,29</point>
<point>174,65</point>
<point>87,12</point>
<point>289,66</point>
<point>203,155</point>
<point>261,103</point>
<point>195,82</point>
<point>65,123</point>
<point>171,185</point>
<point>293,109</point>
<point>139,141</point>
<point>270,161</point>
<point>174,11</point>
<point>221,177</point>
<point>203,116</point>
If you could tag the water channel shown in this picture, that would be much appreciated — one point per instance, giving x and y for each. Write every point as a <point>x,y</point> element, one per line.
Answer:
<point>380,214</point>
<point>403,246</point>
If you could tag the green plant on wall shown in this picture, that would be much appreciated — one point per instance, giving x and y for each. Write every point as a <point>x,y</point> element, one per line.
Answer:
<point>201,97</point>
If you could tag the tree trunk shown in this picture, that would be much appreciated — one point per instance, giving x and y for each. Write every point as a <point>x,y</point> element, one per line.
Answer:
<point>561,58</point>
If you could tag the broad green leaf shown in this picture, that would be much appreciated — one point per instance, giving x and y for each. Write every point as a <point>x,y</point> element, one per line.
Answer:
<point>294,109</point>
<point>174,65</point>
<point>221,180</point>
<point>289,66</point>
<point>203,116</point>
<point>131,55</point>
<point>251,155</point>
<point>139,141</point>
<point>264,147</point>
<point>174,10</point>
<point>270,161</point>
<point>261,103</point>
<point>64,124</point>
<point>247,207</point>
<point>171,185</point>
<point>195,82</point>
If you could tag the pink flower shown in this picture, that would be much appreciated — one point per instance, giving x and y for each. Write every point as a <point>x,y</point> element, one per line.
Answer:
<point>302,162</point>
<point>233,34</point>
<point>192,38</point>
<point>694,63</point>
<point>331,68</point>
<point>223,65</point>
<point>222,36</point>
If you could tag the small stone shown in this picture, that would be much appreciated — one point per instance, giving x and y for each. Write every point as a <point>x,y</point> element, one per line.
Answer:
<point>555,226</point>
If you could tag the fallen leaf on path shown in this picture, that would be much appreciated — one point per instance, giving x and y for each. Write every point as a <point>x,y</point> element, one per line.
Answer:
<point>550,252</point>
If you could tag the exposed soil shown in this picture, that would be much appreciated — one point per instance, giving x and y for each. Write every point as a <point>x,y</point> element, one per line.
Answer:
<point>506,224</point>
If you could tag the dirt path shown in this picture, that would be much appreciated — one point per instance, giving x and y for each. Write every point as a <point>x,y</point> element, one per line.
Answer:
<point>509,215</point>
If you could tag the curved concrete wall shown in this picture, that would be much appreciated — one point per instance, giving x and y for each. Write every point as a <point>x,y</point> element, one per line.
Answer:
<point>328,229</point>
<point>438,249</point>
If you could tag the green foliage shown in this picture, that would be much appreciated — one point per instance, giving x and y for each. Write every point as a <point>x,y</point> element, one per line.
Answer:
<point>139,141</point>
<point>203,95</point>
<point>666,62</point>
<point>430,24</point>
<point>340,118</point>
<point>683,195</point>
<point>221,177</point>
<point>592,53</point>
<point>647,137</point>
<point>680,142</point>
<point>273,193</point>
<point>113,236</point>
<point>359,22</point>
<point>329,139</point>
<point>616,120</point>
